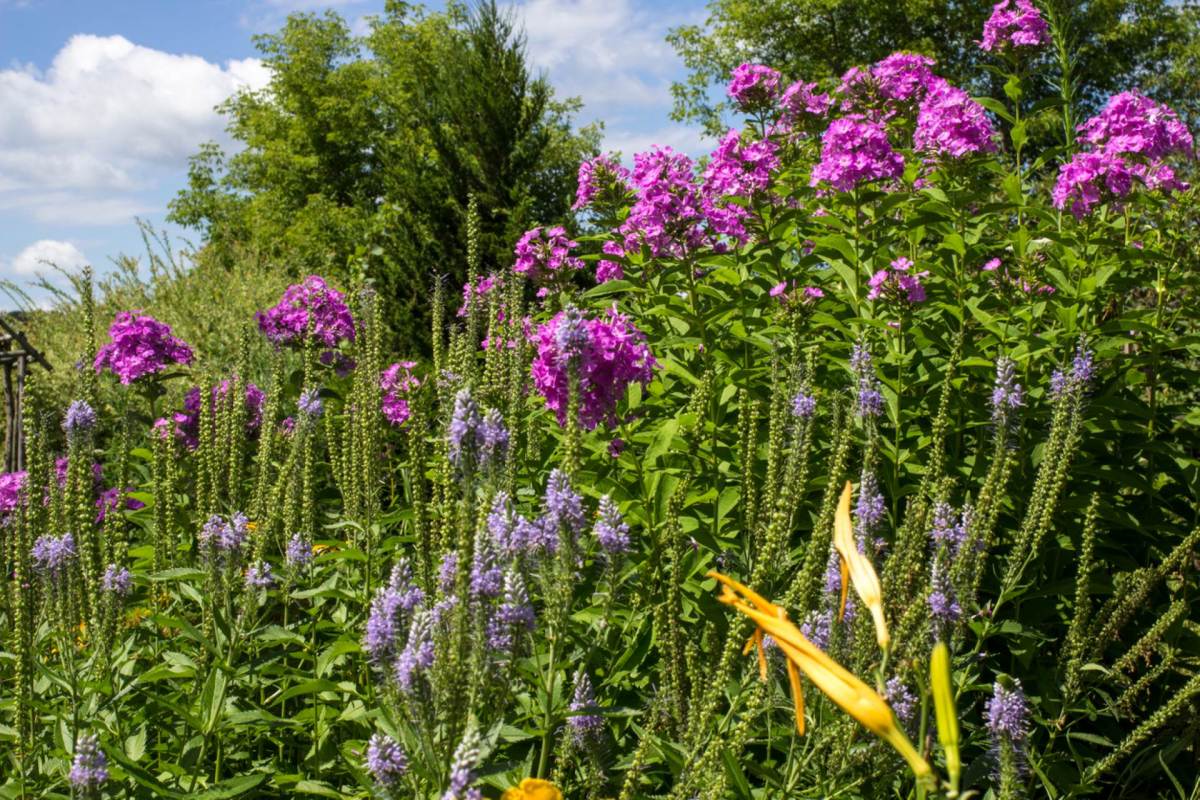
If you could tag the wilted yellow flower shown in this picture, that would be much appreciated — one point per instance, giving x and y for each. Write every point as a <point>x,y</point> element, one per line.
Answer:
<point>533,789</point>
<point>136,615</point>
<point>840,685</point>
<point>943,705</point>
<point>858,568</point>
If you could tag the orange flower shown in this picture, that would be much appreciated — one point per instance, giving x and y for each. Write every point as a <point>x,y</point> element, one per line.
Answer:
<point>533,789</point>
<point>857,567</point>
<point>841,686</point>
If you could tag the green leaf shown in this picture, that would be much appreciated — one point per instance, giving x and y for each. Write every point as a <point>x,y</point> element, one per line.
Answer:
<point>135,744</point>
<point>662,439</point>
<point>212,700</point>
<point>315,788</point>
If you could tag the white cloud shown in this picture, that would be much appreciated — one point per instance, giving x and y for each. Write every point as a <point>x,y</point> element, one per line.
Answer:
<point>47,253</point>
<point>613,54</point>
<point>607,51</point>
<point>682,138</point>
<point>310,5</point>
<point>63,207</point>
<point>109,117</point>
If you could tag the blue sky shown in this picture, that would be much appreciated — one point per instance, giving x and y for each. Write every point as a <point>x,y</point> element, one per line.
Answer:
<point>101,103</point>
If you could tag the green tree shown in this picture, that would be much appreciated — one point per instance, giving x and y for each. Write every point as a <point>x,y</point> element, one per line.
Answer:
<point>362,153</point>
<point>1117,44</point>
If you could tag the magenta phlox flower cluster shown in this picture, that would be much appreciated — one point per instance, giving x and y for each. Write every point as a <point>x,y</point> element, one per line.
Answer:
<point>110,500</point>
<point>1090,179</point>
<point>1014,25</point>
<point>140,346</point>
<point>855,151</point>
<point>398,383</point>
<point>1003,278</point>
<point>614,355</point>
<point>1130,140</point>
<point>904,77</point>
<point>899,282</point>
<point>1132,123</point>
<point>800,106</point>
<point>795,296</point>
<point>666,217</point>
<point>600,177</point>
<point>897,82</point>
<point>606,269</point>
<point>737,169</point>
<point>545,253</point>
<point>62,465</point>
<point>483,288</point>
<point>308,303</point>
<point>11,484</point>
<point>187,421</point>
<point>950,125</point>
<point>753,86</point>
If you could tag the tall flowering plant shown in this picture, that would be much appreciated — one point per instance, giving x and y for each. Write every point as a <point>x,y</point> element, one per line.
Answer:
<point>863,464</point>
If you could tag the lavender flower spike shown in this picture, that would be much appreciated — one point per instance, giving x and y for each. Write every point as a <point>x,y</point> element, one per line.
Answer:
<point>610,530</point>
<point>52,554</point>
<point>1008,714</point>
<point>1007,394</point>
<point>386,761</point>
<point>89,769</point>
<point>80,418</point>
<point>584,727</point>
<point>462,768</point>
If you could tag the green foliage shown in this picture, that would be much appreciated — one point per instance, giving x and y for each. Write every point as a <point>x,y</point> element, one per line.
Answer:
<point>1046,545</point>
<point>1115,45</point>
<point>210,303</point>
<point>361,154</point>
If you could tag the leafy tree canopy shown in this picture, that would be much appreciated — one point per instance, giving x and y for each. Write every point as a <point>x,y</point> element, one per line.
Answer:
<point>362,153</point>
<point>1116,44</point>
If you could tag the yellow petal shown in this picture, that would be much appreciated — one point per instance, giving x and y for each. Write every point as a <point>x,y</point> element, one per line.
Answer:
<point>760,602</point>
<point>533,789</point>
<point>862,573</point>
<point>797,695</point>
<point>845,589</point>
<point>839,684</point>
<point>943,705</point>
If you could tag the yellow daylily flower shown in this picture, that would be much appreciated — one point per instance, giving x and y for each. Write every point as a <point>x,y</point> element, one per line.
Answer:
<point>943,705</point>
<point>839,684</point>
<point>533,789</point>
<point>858,568</point>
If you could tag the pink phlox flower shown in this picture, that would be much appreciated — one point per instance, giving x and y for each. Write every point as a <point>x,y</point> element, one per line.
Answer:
<point>854,151</point>
<point>1014,25</point>
<point>752,86</point>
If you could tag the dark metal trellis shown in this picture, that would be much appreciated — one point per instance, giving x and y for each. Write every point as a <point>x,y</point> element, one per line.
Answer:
<point>15,354</point>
